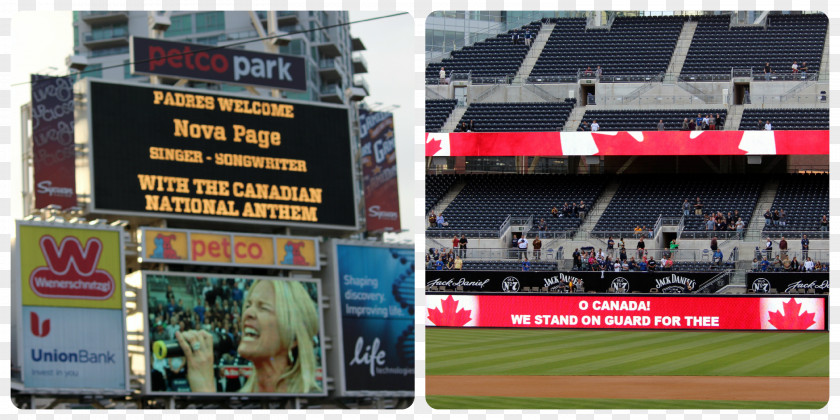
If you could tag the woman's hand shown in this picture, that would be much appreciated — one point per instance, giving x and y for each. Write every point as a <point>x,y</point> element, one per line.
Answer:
<point>198,349</point>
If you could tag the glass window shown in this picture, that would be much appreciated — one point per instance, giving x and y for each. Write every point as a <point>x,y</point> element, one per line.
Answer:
<point>209,21</point>
<point>181,25</point>
<point>75,36</point>
<point>210,40</point>
<point>107,32</point>
<point>101,52</point>
<point>92,70</point>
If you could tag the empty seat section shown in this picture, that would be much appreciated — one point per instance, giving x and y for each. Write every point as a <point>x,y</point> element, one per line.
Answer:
<point>646,120</point>
<point>785,119</point>
<point>437,112</point>
<point>517,116</point>
<point>804,198</point>
<point>436,188</point>
<point>717,48</point>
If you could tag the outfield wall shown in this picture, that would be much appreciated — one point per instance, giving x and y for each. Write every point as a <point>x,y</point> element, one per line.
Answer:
<point>672,312</point>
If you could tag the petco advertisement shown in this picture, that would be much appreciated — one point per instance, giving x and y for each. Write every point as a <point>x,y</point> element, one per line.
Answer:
<point>73,348</point>
<point>376,285</point>
<point>647,312</point>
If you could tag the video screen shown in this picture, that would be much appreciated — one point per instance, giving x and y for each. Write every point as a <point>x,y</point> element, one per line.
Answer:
<point>231,334</point>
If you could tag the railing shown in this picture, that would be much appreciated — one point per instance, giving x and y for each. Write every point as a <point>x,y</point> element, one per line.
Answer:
<point>715,283</point>
<point>486,94</point>
<point>505,226</point>
<point>681,226</point>
<point>741,73</point>
<point>708,234</point>
<point>470,233</point>
<point>808,81</point>
<point>431,94</point>
<point>618,234</point>
<point>511,253</point>
<point>795,235</point>
<point>645,87</point>
<point>542,93</point>
<point>533,233</point>
<point>821,255</point>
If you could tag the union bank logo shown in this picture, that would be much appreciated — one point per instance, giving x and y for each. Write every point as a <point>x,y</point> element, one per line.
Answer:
<point>38,328</point>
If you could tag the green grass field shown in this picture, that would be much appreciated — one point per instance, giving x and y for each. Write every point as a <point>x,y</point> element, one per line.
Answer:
<point>620,352</point>
<point>502,403</point>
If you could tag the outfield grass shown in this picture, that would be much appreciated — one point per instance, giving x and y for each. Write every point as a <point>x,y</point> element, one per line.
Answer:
<point>467,351</point>
<point>494,403</point>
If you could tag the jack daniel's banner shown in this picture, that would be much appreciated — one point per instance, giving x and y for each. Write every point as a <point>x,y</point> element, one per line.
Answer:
<point>553,281</point>
<point>788,282</point>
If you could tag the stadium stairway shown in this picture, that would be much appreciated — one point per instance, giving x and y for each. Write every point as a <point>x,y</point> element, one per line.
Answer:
<point>574,119</point>
<point>597,210</point>
<point>449,196</point>
<point>534,53</point>
<point>824,62</point>
<point>680,52</point>
<point>765,201</point>
<point>733,117</point>
<point>454,118</point>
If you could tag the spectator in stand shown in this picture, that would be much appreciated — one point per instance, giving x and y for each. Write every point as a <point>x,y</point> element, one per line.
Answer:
<point>713,245</point>
<point>462,245</point>
<point>622,252</point>
<point>611,247</point>
<point>710,223</point>
<point>593,263</point>
<point>739,225</point>
<point>430,263</point>
<point>583,126</point>
<point>581,209</point>
<point>432,220</point>
<point>794,68</point>
<point>684,125</point>
<point>640,247</point>
<point>643,265</point>
<point>692,125</point>
<point>776,218</point>
<point>440,221</point>
<point>526,265</point>
<point>632,265</point>
<point>783,247</point>
<point>686,207</point>
<point>804,68</point>
<point>755,264</point>
<point>760,125</point>
<point>805,245</point>
<point>768,126</point>
<point>673,247</point>
<point>782,218</point>
<point>617,266</point>
<point>200,310</point>
<point>576,264</point>
<point>660,126</point>
<point>824,223</point>
<point>439,264</point>
<point>698,207</point>
<point>651,264</point>
<point>471,127</point>
<point>809,264</point>
<point>588,72</point>
<point>599,72</point>
<point>795,265</point>
<point>712,122</point>
<point>625,266</point>
<point>522,243</point>
<point>706,122</point>
<point>717,257</point>
<point>764,264</point>
<point>555,212</point>
<point>719,122</point>
<point>543,228</point>
<point>595,126</point>
<point>567,210</point>
<point>442,76</point>
<point>537,248</point>
<point>455,242</point>
<point>699,122</point>
<point>767,71</point>
<point>637,231</point>
<point>768,217</point>
<point>768,247</point>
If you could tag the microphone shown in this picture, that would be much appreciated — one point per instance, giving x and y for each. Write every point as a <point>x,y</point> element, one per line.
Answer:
<point>162,349</point>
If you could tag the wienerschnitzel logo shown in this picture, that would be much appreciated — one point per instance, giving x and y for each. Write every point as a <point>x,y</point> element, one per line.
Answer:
<point>71,271</point>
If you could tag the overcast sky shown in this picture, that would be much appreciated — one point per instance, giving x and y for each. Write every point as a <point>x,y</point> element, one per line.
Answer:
<point>389,77</point>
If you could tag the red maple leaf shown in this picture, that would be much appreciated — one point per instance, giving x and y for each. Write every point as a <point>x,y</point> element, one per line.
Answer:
<point>450,315</point>
<point>433,146</point>
<point>791,320</point>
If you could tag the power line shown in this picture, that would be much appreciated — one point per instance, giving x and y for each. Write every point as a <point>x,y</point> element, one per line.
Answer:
<point>235,44</point>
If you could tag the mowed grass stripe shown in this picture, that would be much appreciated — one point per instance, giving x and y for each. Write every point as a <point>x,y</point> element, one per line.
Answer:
<point>776,356</point>
<point>445,348</point>
<point>701,357</point>
<point>586,360</point>
<point>524,353</point>
<point>456,403</point>
<point>443,355</point>
<point>613,352</point>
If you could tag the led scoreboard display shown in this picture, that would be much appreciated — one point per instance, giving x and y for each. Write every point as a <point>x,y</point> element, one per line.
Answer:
<point>198,155</point>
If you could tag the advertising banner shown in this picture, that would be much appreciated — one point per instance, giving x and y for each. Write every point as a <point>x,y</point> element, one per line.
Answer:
<point>376,285</point>
<point>628,143</point>
<point>72,333</point>
<point>552,281</point>
<point>217,64</point>
<point>73,348</point>
<point>178,246</point>
<point>788,282</point>
<point>70,267</point>
<point>222,158</point>
<point>53,141</point>
<point>259,335</point>
<point>379,171</point>
<point>628,312</point>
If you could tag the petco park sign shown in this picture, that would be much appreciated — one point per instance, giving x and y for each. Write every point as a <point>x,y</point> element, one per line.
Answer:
<point>215,64</point>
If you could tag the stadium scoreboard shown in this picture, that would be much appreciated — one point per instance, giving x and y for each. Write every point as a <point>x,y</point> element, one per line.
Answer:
<point>200,155</point>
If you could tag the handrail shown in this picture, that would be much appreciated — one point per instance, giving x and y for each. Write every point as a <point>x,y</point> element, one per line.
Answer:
<point>505,226</point>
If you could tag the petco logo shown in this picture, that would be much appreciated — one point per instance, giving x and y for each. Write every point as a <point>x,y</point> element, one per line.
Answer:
<point>71,270</point>
<point>39,329</point>
<point>226,65</point>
